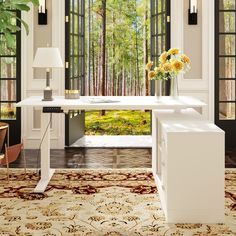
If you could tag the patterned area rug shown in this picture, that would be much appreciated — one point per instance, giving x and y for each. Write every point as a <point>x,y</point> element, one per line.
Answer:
<point>97,202</point>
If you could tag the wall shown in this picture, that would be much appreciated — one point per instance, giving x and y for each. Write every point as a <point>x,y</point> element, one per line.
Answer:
<point>33,81</point>
<point>197,41</point>
<point>193,42</point>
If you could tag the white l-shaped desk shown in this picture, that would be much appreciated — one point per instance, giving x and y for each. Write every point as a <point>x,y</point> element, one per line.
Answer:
<point>92,103</point>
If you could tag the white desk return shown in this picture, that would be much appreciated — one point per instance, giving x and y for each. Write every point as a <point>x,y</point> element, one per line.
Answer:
<point>89,103</point>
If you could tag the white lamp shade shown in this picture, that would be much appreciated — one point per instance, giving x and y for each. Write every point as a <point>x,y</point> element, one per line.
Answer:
<point>47,58</point>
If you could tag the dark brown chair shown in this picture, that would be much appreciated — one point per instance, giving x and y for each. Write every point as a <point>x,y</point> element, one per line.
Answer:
<point>11,154</point>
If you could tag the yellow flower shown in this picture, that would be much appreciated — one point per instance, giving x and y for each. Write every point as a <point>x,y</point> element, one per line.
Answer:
<point>149,65</point>
<point>185,59</point>
<point>166,67</point>
<point>163,57</point>
<point>177,65</point>
<point>151,75</point>
<point>174,51</point>
<point>161,69</point>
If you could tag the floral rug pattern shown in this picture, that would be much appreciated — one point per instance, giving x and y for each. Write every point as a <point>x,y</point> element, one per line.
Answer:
<point>97,202</point>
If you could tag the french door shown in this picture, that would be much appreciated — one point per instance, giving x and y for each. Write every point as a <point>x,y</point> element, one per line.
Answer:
<point>75,53</point>
<point>160,34</point>
<point>75,64</point>
<point>225,61</point>
<point>10,85</point>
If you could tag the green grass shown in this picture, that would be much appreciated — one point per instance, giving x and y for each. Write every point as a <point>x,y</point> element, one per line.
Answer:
<point>117,123</point>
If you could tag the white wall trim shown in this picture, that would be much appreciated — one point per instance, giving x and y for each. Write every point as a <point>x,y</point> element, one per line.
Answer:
<point>34,87</point>
<point>177,26</point>
<point>211,57</point>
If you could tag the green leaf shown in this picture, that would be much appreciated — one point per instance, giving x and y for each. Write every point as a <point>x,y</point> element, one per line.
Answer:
<point>10,39</point>
<point>22,7</point>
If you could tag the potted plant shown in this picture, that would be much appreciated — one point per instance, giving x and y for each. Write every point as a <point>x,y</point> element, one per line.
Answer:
<point>8,19</point>
<point>171,64</point>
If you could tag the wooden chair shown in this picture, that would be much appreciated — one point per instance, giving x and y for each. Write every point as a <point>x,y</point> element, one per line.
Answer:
<point>11,154</point>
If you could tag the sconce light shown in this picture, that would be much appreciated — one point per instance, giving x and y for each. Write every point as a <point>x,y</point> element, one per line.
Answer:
<point>192,12</point>
<point>42,14</point>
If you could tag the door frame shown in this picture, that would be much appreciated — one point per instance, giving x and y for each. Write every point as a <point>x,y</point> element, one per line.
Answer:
<point>74,120</point>
<point>229,126</point>
<point>168,39</point>
<point>15,124</point>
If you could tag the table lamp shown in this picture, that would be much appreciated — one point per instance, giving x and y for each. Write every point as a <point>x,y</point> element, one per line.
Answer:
<point>47,58</point>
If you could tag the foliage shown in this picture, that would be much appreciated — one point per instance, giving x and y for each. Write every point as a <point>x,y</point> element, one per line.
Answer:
<point>171,63</point>
<point>118,123</point>
<point>8,19</point>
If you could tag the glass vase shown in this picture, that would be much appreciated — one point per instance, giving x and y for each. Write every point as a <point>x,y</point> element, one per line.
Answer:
<point>174,87</point>
<point>158,89</point>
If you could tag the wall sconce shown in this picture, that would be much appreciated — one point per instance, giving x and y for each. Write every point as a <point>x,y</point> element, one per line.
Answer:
<point>192,12</point>
<point>42,14</point>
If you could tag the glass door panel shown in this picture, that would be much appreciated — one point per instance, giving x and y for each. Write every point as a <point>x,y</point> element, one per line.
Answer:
<point>225,76</point>
<point>160,33</point>
<point>74,53</point>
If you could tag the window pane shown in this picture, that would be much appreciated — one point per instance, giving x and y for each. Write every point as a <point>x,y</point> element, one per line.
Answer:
<point>75,5</point>
<point>159,24</point>
<point>227,4</point>
<point>159,6</point>
<point>8,90</point>
<point>81,9</point>
<point>227,44</point>
<point>159,45</point>
<point>227,90</point>
<point>8,67</point>
<point>76,67</point>
<point>81,53</point>
<point>164,23</point>
<point>71,67</point>
<point>71,5</point>
<point>76,24</point>
<point>3,47</point>
<point>76,45</point>
<point>8,111</point>
<point>163,43</point>
<point>164,5</point>
<point>71,25</point>
<point>227,22</point>
<point>227,111</point>
<point>81,23</point>
<point>227,67</point>
<point>71,46</point>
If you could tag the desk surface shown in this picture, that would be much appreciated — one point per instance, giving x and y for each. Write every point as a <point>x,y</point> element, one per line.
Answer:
<point>114,103</point>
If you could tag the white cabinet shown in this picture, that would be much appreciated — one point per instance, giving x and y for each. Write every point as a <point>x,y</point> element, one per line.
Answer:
<point>188,165</point>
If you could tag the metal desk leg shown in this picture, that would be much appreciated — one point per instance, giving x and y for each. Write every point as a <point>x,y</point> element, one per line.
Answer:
<point>46,171</point>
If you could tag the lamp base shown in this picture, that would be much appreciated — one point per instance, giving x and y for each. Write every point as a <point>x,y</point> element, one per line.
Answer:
<point>47,95</point>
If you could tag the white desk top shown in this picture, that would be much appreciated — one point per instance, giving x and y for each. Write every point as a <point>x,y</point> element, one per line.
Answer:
<point>114,103</point>
<point>190,126</point>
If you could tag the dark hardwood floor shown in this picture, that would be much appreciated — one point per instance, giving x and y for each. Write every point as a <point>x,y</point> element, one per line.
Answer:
<point>90,158</point>
<point>101,158</point>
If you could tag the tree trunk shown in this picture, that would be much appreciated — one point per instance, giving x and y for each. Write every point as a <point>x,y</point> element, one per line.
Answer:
<point>103,54</point>
<point>113,57</point>
<point>137,80</point>
<point>89,50</point>
<point>145,52</point>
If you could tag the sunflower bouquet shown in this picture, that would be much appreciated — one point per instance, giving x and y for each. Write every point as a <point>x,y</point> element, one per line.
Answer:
<point>171,64</point>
